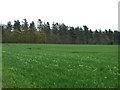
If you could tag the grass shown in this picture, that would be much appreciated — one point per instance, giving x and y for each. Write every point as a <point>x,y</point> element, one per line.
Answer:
<point>0,66</point>
<point>60,66</point>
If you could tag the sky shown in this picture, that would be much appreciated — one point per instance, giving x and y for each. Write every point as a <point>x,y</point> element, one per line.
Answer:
<point>96,14</point>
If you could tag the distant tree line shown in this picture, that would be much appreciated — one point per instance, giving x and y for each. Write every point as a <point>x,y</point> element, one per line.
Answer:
<point>57,33</point>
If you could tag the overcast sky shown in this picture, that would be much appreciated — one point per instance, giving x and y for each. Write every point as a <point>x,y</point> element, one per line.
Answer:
<point>96,14</point>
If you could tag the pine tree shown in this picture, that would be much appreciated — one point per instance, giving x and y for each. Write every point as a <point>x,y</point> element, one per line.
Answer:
<point>9,26</point>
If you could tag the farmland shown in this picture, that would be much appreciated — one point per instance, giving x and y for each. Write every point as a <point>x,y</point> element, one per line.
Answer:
<point>59,66</point>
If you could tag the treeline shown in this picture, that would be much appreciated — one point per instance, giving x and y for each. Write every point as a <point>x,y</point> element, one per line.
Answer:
<point>56,33</point>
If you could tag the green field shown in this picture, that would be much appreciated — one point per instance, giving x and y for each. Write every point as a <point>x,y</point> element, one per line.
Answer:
<point>59,66</point>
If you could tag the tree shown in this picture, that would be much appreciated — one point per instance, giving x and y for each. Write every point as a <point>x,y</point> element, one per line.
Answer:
<point>110,36</point>
<point>39,26</point>
<point>86,33</point>
<point>96,37</point>
<point>32,25</point>
<point>116,36</point>
<point>63,31</point>
<point>58,33</point>
<point>90,38</point>
<point>55,28</point>
<point>25,24</point>
<point>81,36</point>
<point>9,26</point>
<point>77,33</point>
<point>72,35</point>
<point>48,28</point>
<point>17,25</point>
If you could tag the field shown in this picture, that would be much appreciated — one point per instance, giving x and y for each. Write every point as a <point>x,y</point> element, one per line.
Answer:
<point>0,65</point>
<point>59,66</point>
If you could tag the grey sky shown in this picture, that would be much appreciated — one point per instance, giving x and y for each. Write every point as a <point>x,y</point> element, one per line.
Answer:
<point>96,14</point>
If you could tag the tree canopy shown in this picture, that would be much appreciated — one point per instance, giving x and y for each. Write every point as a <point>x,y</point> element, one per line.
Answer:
<point>56,33</point>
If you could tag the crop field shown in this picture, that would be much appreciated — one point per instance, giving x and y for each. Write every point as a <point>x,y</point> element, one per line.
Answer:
<point>59,66</point>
